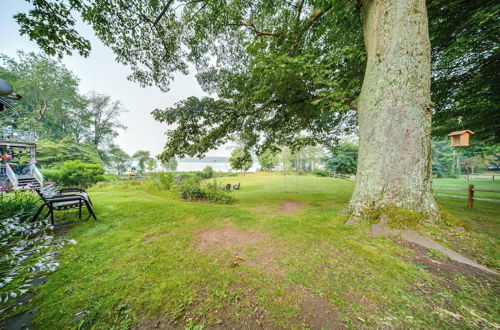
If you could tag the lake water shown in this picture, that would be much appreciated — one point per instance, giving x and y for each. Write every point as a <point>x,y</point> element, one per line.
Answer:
<point>217,166</point>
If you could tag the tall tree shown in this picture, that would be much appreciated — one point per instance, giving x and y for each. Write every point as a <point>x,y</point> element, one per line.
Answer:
<point>268,159</point>
<point>396,86</point>
<point>118,159</point>
<point>343,159</point>
<point>49,94</point>
<point>151,164</point>
<point>284,68</point>
<point>442,158</point>
<point>79,121</point>
<point>240,160</point>
<point>52,154</point>
<point>142,157</point>
<point>104,118</point>
<point>169,164</point>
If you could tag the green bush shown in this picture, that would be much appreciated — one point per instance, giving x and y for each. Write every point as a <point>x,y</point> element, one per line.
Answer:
<point>232,174</point>
<point>164,181</point>
<point>51,175</point>
<point>192,190</point>
<point>213,193</point>
<point>321,172</point>
<point>208,172</point>
<point>110,177</point>
<point>22,204</point>
<point>77,174</point>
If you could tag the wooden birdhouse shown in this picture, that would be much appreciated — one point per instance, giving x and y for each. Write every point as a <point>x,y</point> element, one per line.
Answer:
<point>460,138</point>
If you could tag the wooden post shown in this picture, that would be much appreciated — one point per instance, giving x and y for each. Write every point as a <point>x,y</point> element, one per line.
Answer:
<point>470,196</point>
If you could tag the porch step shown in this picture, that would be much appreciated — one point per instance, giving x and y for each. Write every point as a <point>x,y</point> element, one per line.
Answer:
<point>28,180</point>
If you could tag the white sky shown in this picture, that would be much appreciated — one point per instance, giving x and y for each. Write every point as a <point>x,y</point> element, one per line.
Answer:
<point>100,72</point>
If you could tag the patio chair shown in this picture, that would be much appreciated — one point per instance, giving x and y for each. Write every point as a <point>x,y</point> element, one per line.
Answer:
<point>62,200</point>
<point>227,187</point>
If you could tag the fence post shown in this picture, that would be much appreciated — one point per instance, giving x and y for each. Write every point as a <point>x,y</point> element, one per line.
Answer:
<point>470,196</point>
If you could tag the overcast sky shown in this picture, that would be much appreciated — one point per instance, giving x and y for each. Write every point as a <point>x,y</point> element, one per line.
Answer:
<point>102,73</point>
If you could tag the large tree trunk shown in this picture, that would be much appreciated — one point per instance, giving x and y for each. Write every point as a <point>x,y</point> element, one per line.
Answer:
<point>394,164</point>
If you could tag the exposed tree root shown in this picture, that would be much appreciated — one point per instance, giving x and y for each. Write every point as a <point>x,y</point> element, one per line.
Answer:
<point>410,235</point>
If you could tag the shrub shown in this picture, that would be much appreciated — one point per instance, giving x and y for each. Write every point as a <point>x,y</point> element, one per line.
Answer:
<point>207,173</point>
<point>110,177</point>
<point>231,174</point>
<point>22,204</point>
<point>164,181</point>
<point>213,193</point>
<point>76,173</point>
<point>185,176</point>
<point>51,175</point>
<point>321,172</point>
<point>192,190</point>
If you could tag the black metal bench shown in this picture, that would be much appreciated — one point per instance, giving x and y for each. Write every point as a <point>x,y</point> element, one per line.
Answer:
<point>62,200</point>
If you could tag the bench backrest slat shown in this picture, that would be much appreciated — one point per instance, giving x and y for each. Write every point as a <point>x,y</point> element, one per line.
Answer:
<point>48,192</point>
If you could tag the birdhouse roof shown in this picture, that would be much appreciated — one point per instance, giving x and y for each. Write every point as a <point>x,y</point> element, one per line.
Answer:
<point>461,132</point>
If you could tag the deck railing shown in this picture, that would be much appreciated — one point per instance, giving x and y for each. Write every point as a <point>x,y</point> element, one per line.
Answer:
<point>17,136</point>
<point>11,175</point>
<point>37,175</point>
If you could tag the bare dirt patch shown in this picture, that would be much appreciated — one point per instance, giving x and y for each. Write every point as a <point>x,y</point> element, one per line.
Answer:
<point>227,237</point>
<point>289,207</point>
<point>246,247</point>
<point>318,313</point>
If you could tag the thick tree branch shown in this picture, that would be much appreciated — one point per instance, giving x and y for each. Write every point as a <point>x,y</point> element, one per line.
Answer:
<point>316,16</point>
<point>163,11</point>
<point>300,5</point>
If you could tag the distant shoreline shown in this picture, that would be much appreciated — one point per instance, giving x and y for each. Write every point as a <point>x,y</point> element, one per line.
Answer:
<point>205,160</point>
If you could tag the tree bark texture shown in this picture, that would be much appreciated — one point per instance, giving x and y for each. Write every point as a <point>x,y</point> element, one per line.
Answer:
<point>394,164</point>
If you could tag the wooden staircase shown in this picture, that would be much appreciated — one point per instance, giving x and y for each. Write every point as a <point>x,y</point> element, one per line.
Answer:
<point>25,180</point>
<point>32,180</point>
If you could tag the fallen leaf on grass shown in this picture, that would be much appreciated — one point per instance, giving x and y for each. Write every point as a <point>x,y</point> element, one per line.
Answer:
<point>236,261</point>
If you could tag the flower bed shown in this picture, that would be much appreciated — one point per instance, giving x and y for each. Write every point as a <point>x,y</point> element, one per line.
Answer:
<point>27,250</point>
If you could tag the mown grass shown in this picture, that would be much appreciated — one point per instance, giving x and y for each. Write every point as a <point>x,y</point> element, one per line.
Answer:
<point>138,265</point>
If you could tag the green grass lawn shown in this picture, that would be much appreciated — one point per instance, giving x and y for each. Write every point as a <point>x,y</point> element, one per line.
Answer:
<point>273,259</point>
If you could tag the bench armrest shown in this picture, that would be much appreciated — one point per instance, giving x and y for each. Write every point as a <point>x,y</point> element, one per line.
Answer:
<point>65,198</point>
<point>65,190</point>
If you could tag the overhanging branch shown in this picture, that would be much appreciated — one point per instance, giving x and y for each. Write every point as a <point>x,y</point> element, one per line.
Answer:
<point>163,11</point>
